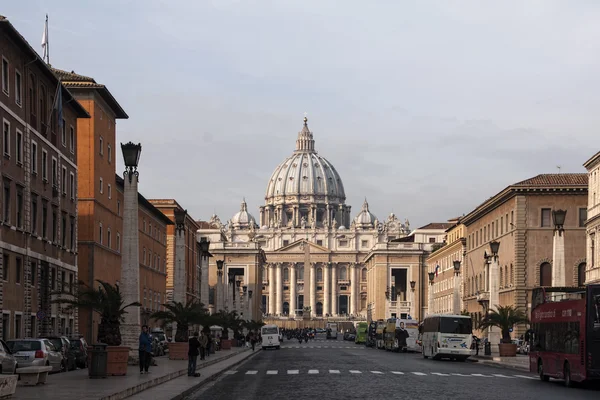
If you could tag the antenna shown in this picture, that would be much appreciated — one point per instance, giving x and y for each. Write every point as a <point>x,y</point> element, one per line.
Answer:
<point>558,167</point>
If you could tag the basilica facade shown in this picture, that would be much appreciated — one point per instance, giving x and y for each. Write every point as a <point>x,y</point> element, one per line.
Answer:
<point>307,256</point>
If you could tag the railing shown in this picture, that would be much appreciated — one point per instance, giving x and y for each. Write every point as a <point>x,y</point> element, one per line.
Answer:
<point>345,282</point>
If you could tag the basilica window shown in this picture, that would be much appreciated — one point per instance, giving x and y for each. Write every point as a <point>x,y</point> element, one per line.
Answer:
<point>343,273</point>
<point>363,275</point>
<point>286,275</point>
<point>300,272</point>
<point>546,274</point>
<point>319,274</point>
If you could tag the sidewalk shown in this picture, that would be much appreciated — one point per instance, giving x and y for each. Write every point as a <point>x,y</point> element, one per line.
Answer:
<point>520,362</point>
<point>77,385</point>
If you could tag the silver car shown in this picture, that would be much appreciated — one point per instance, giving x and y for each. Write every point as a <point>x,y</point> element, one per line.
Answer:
<point>36,353</point>
<point>8,363</point>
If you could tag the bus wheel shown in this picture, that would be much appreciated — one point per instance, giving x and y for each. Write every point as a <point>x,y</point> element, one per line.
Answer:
<point>567,375</point>
<point>543,377</point>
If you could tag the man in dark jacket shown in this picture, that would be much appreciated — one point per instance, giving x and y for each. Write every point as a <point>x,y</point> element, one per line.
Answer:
<point>145,349</point>
<point>193,352</point>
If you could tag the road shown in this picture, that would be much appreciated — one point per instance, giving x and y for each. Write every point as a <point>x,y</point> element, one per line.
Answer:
<point>342,370</point>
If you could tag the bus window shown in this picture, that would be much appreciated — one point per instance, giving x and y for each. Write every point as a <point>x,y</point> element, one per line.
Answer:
<point>456,325</point>
<point>270,330</point>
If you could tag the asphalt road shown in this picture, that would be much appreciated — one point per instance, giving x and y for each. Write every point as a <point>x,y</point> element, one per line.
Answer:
<point>342,370</point>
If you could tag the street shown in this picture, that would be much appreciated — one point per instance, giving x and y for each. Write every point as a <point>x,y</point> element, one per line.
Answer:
<point>340,369</point>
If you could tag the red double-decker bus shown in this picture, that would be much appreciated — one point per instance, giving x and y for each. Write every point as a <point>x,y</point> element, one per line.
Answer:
<point>565,333</point>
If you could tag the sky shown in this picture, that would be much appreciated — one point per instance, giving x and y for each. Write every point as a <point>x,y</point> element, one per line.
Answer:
<point>426,108</point>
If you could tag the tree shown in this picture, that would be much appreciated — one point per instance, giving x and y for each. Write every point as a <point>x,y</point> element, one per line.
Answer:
<point>184,315</point>
<point>253,325</point>
<point>465,312</point>
<point>228,320</point>
<point>108,302</point>
<point>505,317</point>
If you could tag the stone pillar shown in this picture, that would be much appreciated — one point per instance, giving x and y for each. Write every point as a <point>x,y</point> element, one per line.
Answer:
<point>271,289</point>
<point>326,284</point>
<point>179,284</point>
<point>430,310</point>
<point>412,303</point>
<point>293,294</point>
<point>558,259</point>
<point>456,295</point>
<point>130,263</point>
<point>352,271</point>
<point>204,288</point>
<point>494,333</point>
<point>334,290</point>
<point>220,292</point>
<point>313,292</point>
<point>278,290</point>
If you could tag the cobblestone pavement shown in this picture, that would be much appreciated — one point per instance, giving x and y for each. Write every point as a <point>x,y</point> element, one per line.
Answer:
<point>344,370</point>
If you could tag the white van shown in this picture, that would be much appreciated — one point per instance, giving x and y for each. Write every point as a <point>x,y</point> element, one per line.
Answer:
<point>270,336</point>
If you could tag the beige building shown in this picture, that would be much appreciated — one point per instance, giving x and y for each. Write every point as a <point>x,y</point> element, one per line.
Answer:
<point>520,219</point>
<point>447,285</point>
<point>307,257</point>
<point>593,218</point>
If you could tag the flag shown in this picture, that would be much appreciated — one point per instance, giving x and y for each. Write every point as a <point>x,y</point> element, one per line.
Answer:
<point>59,105</point>
<point>45,41</point>
<point>436,270</point>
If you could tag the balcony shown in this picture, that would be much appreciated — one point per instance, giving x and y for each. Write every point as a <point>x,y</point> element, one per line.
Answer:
<point>483,297</point>
<point>343,282</point>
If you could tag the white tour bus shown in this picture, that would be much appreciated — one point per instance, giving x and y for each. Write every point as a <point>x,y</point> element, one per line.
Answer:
<point>447,336</point>
<point>270,336</point>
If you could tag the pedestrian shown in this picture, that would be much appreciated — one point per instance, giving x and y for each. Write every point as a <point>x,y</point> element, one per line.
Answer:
<point>203,345</point>
<point>145,349</point>
<point>209,344</point>
<point>252,340</point>
<point>193,352</point>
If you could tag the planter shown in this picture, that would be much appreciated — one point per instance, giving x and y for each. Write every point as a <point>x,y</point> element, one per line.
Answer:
<point>178,351</point>
<point>8,385</point>
<point>507,349</point>
<point>225,344</point>
<point>116,360</point>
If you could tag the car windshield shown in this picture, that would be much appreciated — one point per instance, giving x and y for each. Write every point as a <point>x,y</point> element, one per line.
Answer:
<point>57,343</point>
<point>24,345</point>
<point>456,325</point>
<point>270,331</point>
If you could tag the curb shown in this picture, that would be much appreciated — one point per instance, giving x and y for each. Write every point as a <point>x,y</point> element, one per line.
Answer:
<point>500,365</point>
<point>130,391</point>
<point>213,377</point>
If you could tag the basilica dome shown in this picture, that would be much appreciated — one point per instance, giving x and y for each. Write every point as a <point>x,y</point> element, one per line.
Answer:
<point>243,219</point>
<point>305,189</point>
<point>365,219</point>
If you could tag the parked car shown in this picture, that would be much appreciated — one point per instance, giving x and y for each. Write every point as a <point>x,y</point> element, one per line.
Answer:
<point>62,344</point>
<point>8,363</point>
<point>36,353</point>
<point>78,347</point>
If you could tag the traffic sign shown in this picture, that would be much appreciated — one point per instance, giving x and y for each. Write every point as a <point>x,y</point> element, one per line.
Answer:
<point>40,314</point>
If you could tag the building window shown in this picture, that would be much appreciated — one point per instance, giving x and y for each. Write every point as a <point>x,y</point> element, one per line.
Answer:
<point>363,275</point>
<point>72,232</point>
<point>286,242</point>
<point>501,225</point>
<point>44,165</point>
<point>63,133</point>
<point>582,217</point>
<point>18,269</point>
<point>319,243</point>
<point>109,191</point>
<point>546,217</point>
<point>101,234</point>
<point>119,207</point>
<point>63,281</point>
<point>108,238</point>
<point>64,180</point>
<point>32,273</point>
<point>54,225</point>
<point>343,273</point>
<point>343,243</point>
<point>72,185</point>
<point>101,146</point>
<point>431,240</point>
<point>319,274</point>
<point>71,282</point>
<point>63,231</point>
<point>20,208</point>
<point>54,172</point>
<point>72,139</point>
<point>5,267</point>
<point>144,225</point>
<point>118,242</point>
<point>34,213</point>
<point>19,147</point>
<point>18,88</point>
<point>101,185</point>
<point>33,157</point>
<point>364,243</point>
<point>18,326</point>
<point>6,138</point>
<point>109,150</point>
<point>44,219</point>
<point>5,76</point>
<point>546,274</point>
<point>7,199</point>
<point>144,257</point>
<point>512,220</point>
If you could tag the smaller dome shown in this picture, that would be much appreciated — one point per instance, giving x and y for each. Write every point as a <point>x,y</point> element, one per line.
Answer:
<point>365,219</point>
<point>243,219</point>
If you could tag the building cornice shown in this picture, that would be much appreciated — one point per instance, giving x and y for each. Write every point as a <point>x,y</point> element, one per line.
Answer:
<point>448,249</point>
<point>593,161</point>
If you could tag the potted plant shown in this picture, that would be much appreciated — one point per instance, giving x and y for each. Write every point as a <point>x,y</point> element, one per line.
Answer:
<point>183,316</point>
<point>227,320</point>
<point>504,318</point>
<point>107,301</point>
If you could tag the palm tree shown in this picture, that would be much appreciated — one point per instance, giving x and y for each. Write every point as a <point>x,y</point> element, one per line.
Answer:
<point>228,320</point>
<point>253,325</point>
<point>184,315</point>
<point>107,301</point>
<point>505,317</point>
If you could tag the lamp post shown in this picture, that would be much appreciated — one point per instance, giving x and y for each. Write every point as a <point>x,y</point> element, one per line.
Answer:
<point>430,296</point>
<point>130,255</point>
<point>220,288</point>
<point>250,305</point>
<point>558,248</point>
<point>413,284</point>
<point>494,266</point>
<point>237,289</point>
<point>179,284</point>
<point>231,282</point>
<point>204,245</point>
<point>245,307</point>
<point>456,299</point>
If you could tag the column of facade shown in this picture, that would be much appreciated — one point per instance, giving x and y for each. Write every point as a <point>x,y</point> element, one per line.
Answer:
<point>352,270</point>
<point>293,294</point>
<point>326,284</point>
<point>271,289</point>
<point>278,289</point>
<point>334,290</point>
<point>313,293</point>
<point>494,333</point>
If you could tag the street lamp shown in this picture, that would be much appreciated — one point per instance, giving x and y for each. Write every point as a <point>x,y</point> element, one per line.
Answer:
<point>220,267</point>
<point>131,156</point>
<point>494,247</point>
<point>204,245</point>
<point>412,285</point>
<point>431,277</point>
<point>387,293</point>
<point>245,289</point>
<point>559,218</point>
<point>180,218</point>
<point>456,267</point>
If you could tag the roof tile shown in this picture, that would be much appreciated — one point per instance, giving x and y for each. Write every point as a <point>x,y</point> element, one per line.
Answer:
<point>555,180</point>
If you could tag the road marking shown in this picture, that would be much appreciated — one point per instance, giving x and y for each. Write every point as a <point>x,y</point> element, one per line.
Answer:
<point>334,371</point>
<point>526,377</point>
<point>293,372</point>
<point>251,372</point>
<point>397,373</point>
<point>439,374</point>
<point>376,372</point>
<point>485,376</point>
<point>272,372</point>
<point>460,375</point>
<point>352,371</point>
<point>503,376</point>
<point>230,372</point>
<point>313,371</point>
<point>419,373</point>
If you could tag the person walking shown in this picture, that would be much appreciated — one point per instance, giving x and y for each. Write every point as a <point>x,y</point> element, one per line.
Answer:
<point>252,340</point>
<point>145,349</point>
<point>209,344</point>
<point>203,345</point>
<point>193,352</point>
